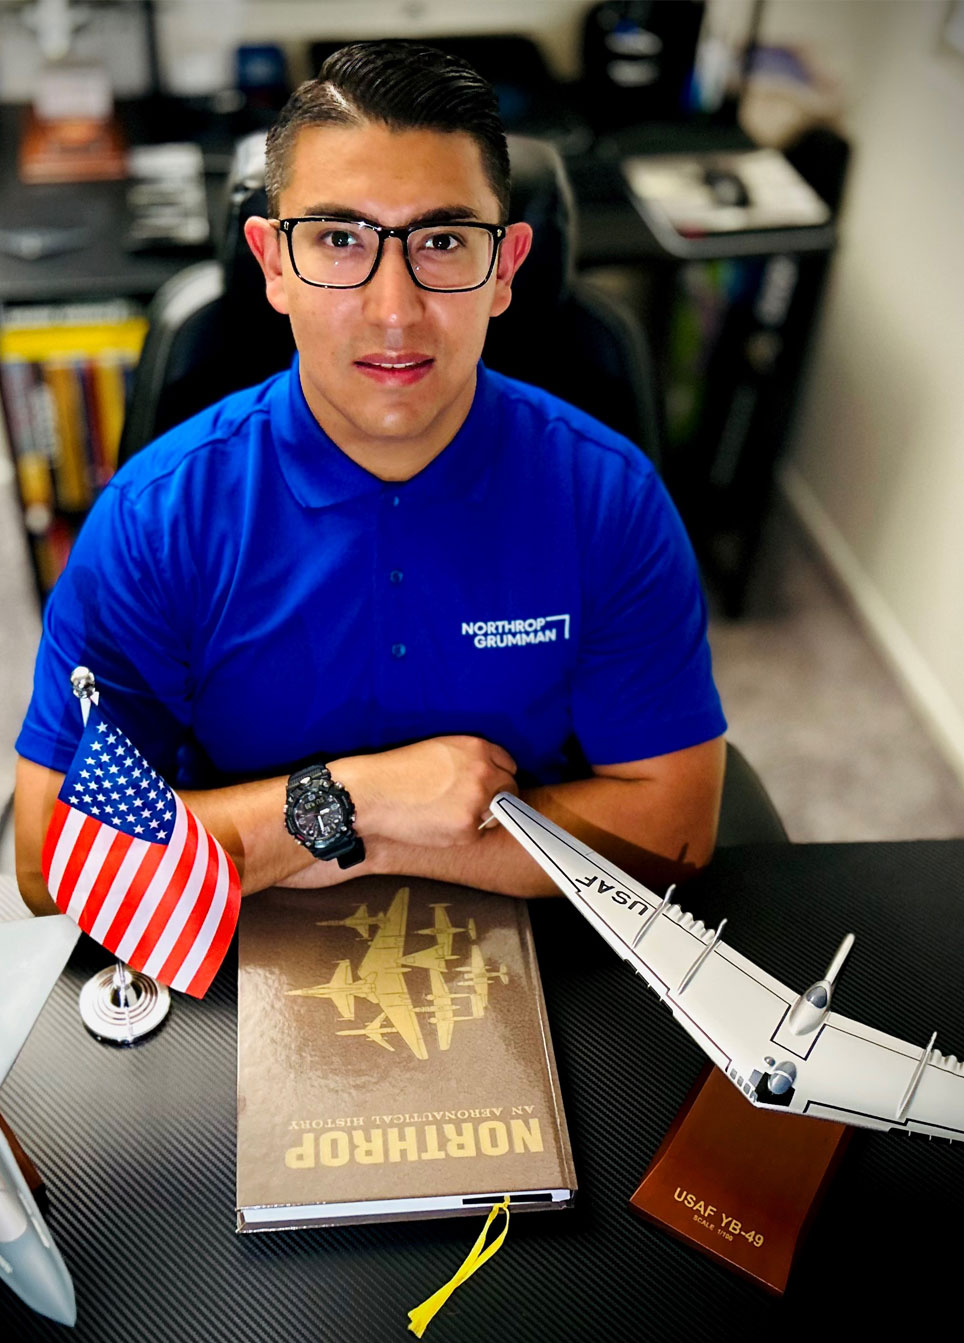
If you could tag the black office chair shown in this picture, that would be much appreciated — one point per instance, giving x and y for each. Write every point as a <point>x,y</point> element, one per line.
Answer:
<point>211,331</point>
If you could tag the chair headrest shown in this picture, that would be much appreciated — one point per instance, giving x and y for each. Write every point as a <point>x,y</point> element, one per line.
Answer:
<point>540,196</point>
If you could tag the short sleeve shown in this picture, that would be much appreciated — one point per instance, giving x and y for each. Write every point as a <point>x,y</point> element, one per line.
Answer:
<point>643,685</point>
<point>112,611</point>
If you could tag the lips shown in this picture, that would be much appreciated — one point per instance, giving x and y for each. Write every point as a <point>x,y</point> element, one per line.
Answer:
<point>397,369</point>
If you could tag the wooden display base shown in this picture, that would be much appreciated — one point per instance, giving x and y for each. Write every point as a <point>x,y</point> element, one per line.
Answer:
<point>738,1183</point>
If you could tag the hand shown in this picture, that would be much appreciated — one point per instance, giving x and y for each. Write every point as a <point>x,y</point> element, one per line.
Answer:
<point>432,793</point>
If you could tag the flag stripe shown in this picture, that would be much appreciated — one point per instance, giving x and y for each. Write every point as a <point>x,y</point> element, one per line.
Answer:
<point>103,859</point>
<point>226,908</point>
<point>181,894</point>
<point>139,918</point>
<point>61,814</point>
<point>141,857</point>
<point>69,830</point>
<point>202,960</point>
<point>189,928</point>
<point>129,899</point>
<point>70,858</point>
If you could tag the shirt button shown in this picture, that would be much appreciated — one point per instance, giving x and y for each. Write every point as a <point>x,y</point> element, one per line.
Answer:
<point>398,650</point>
<point>395,501</point>
<point>395,576</point>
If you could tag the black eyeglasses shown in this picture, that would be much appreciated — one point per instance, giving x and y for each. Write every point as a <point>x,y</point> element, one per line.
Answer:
<point>344,254</point>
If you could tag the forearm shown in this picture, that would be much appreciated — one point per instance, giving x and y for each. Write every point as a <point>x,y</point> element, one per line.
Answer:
<point>650,832</point>
<point>247,819</point>
<point>656,819</point>
<point>430,793</point>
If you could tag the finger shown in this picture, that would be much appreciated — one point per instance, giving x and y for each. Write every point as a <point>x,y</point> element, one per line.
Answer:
<point>509,785</point>
<point>499,756</point>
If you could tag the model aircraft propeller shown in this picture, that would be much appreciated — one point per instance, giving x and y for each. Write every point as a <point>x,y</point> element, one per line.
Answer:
<point>782,1049</point>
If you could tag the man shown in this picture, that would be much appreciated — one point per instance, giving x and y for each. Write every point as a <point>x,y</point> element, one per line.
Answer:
<point>387,562</point>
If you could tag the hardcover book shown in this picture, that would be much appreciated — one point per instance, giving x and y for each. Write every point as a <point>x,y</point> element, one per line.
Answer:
<point>394,1058</point>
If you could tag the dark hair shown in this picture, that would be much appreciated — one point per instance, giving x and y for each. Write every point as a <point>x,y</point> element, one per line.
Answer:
<point>403,85</point>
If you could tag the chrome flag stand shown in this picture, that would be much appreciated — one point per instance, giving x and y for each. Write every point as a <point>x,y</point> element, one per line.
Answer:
<point>117,1005</point>
<point>121,1006</point>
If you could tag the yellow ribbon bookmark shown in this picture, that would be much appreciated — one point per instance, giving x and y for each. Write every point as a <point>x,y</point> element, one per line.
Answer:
<point>421,1317</point>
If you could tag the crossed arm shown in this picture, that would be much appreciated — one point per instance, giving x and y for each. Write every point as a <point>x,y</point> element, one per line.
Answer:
<point>419,808</point>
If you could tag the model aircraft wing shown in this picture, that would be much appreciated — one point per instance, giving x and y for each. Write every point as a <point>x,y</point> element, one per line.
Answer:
<point>741,1016</point>
<point>33,952</point>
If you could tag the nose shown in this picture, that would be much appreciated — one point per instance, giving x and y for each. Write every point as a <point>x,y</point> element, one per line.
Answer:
<point>392,298</point>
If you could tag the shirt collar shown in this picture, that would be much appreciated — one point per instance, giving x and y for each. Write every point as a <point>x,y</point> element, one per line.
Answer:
<point>320,475</point>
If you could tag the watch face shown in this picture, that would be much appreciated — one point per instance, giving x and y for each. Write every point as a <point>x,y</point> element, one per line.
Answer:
<point>318,815</point>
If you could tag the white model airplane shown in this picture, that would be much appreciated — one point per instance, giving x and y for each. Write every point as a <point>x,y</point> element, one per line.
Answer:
<point>782,1049</point>
<point>33,952</point>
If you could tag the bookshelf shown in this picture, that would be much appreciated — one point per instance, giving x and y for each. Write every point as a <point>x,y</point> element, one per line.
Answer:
<point>64,370</point>
<point>71,327</point>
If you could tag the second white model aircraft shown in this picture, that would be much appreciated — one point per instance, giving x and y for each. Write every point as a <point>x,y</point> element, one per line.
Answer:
<point>33,952</point>
<point>782,1049</point>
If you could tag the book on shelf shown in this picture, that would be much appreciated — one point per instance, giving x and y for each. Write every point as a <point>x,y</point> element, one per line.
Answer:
<point>394,1058</point>
<point>63,377</point>
<point>70,132</point>
<point>77,150</point>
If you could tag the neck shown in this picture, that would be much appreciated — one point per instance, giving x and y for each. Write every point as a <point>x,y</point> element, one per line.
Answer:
<point>391,456</point>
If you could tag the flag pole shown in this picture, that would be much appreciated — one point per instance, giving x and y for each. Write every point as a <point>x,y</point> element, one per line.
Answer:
<point>117,1005</point>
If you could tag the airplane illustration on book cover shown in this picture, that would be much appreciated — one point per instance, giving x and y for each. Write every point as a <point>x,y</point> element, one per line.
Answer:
<point>784,1050</point>
<point>382,978</point>
<point>33,952</point>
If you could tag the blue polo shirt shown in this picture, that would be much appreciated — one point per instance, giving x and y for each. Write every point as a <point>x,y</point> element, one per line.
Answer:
<point>248,597</point>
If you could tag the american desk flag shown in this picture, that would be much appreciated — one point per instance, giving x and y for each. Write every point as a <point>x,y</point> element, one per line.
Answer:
<point>135,868</point>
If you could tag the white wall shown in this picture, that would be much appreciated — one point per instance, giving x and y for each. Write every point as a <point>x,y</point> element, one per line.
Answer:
<point>197,38</point>
<point>876,467</point>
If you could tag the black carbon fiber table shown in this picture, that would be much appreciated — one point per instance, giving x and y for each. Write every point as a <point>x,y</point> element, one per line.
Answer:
<point>137,1148</point>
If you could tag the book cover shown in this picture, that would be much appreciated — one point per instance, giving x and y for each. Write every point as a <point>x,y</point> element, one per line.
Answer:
<point>71,149</point>
<point>394,1058</point>
<point>70,460</point>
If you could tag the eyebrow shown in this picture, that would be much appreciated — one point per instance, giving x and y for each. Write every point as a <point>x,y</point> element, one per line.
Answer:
<point>443,214</point>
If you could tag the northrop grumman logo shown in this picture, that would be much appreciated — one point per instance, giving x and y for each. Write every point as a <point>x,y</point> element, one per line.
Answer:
<point>515,633</point>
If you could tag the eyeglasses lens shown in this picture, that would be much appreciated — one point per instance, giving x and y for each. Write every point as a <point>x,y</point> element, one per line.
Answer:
<point>330,252</point>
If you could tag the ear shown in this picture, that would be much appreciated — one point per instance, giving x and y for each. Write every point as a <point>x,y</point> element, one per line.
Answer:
<point>512,253</point>
<point>265,243</point>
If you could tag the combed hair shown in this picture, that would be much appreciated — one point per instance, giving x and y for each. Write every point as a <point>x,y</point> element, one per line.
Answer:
<point>402,85</point>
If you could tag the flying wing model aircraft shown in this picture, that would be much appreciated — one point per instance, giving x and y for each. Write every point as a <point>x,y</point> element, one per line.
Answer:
<point>782,1049</point>
<point>33,952</point>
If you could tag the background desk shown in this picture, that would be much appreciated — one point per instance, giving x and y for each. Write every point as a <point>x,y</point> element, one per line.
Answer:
<point>137,1147</point>
<point>719,469</point>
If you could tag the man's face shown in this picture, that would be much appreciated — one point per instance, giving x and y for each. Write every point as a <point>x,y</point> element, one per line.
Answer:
<point>388,369</point>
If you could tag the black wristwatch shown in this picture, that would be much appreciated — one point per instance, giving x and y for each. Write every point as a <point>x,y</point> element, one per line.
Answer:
<point>320,815</point>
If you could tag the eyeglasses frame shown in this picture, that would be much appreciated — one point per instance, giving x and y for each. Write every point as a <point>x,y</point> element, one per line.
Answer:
<point>286,226</point>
